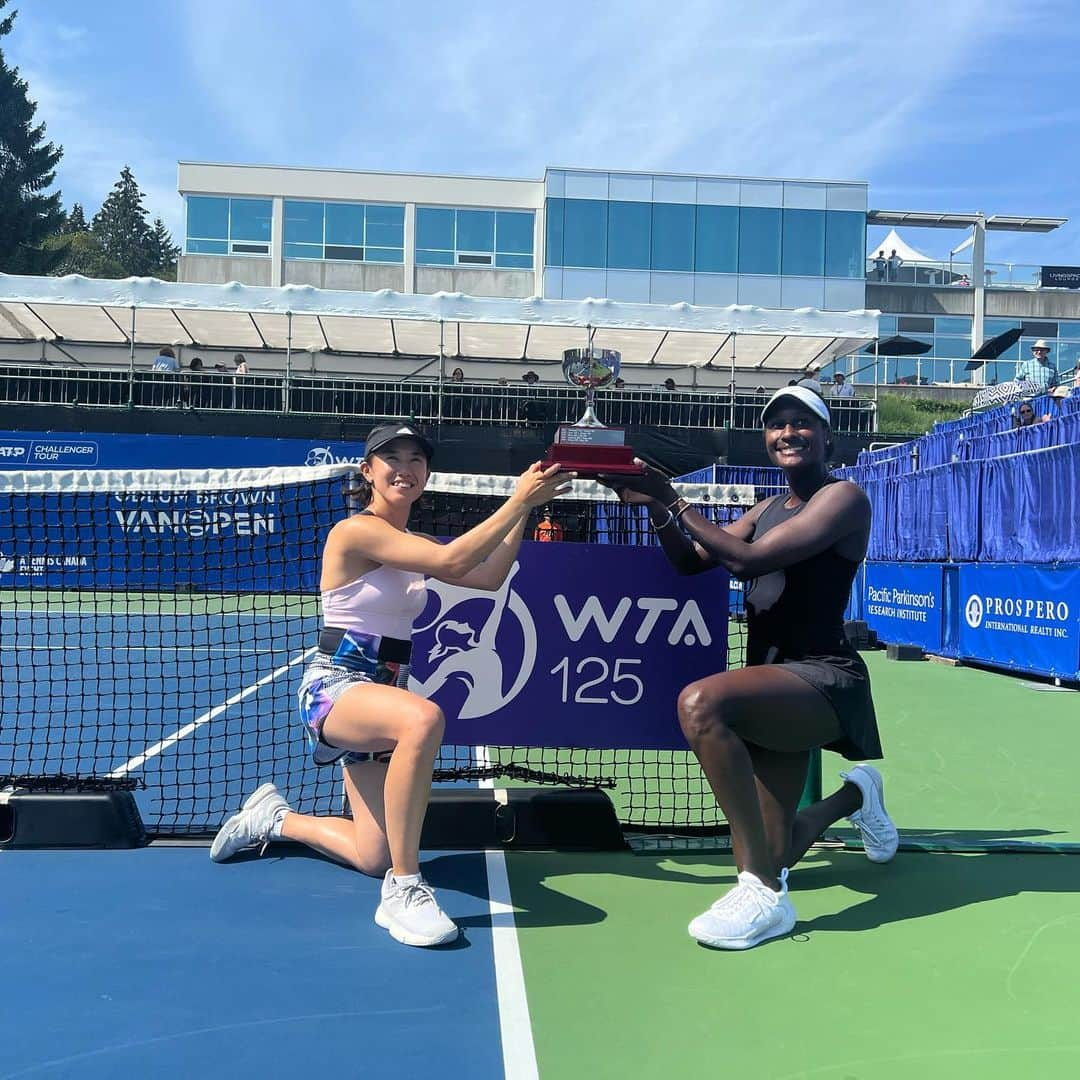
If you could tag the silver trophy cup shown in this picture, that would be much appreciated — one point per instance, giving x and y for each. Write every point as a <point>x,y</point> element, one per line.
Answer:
<point>591,368</point>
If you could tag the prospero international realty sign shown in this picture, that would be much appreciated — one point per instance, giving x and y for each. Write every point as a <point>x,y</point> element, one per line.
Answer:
<point>1060,277</point>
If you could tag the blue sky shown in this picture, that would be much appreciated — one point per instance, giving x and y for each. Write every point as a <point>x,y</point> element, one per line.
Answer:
<point>952,105</point>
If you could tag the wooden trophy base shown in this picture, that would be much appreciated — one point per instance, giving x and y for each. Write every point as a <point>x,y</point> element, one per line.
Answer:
<point>592,451</point>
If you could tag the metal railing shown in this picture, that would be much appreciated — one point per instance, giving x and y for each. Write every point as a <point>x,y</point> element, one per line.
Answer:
<point>424,399</point>
<point>956,274</point>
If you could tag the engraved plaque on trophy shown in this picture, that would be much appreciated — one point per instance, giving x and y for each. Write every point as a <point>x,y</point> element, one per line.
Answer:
<point>588,447</point>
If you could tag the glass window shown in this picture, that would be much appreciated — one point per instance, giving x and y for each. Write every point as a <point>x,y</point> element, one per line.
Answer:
<point>585,233</point>
<point>804,243</point>
<point>993,327</point>
<point>629,231</point>
<point>249,219</point>
<point>514,232</point>
<point>303,222</point>
<point>845,244</point>
<point>208,247</point>
<point>886,326</point>
<point>672,236</point>
<point>553,241</point>
<point>716,247</point>
<point>1035,329</point>
<point>476,230</point>
<point>759,240</point>
<point>385,226</point>
<point>959,347</point>
<point>344,224</point>
<point>303,251</point>
<point>427,257</point>
<point>384,255</point>
<point>1069,330</point>
<point>207,218</point>
<point>514,262</point>
<point>434,228</point>
<point>953,324</point>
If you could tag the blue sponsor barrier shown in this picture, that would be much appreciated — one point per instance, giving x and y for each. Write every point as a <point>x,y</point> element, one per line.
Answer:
<point>902,603</point>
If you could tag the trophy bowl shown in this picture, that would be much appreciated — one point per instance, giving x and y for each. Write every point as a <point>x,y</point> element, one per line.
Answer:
<point>591,368</point>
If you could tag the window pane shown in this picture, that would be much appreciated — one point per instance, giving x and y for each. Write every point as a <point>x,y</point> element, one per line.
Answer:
<point>629,235</point>
<point>384,255</point>
<point>475,259</point>
<point>303,251</point>
<point>993,327</point>
<point>250,219</point>
<point>434,228</point>
<point>952,324</point>
<point>207,247</point>
<point>915,324</point>
<point>385,226</point>
<point>345,224</point>
<point>1069,330</point>
<point>804,243</point>
<point>514,232</point>
<point>476,230</point>
<point>845,244</point>
<point>303,222</point>
<point>249,247</point>
<point>554,227</point>
<point>434,258</point>
<point>345,253</point>
<point>759,240</point>
<point>207,219</point>
<point>672,236</point>
<point>514,262</point>
<point>716,250</point>
<point>585,235</point>
<point>386,214</point>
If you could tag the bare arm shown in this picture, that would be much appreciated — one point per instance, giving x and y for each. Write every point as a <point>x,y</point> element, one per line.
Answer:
<point>491,573</point>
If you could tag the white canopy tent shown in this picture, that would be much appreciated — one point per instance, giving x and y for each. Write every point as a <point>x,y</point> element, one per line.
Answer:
<point>294,318</point>
<point>895,242</point>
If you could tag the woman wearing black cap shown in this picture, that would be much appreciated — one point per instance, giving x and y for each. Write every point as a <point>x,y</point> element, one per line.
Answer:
<point>804,687</point>
<point>353,704</point>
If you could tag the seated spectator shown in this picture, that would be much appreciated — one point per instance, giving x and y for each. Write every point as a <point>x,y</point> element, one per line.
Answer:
<point>1057,396</point>
<point>811,380</point>
<point>668,384</point>
<point>191,385</point>
<point>841,388</point>
<point>457,375</point>
<point>547,530</point>
<point>530,377</point>
<point>1025,415</point>
<point>620,384</point>
<point>759,390</point>
<point>241,395</point>
<point>166,360</point>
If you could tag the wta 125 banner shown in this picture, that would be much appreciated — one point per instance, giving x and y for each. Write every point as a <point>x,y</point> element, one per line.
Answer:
<point>584,645</point>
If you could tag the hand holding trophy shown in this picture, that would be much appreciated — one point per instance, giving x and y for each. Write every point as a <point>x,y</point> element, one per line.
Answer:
<point>588,447</point>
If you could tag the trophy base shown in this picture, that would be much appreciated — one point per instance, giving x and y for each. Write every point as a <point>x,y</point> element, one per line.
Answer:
<point>592,451</point>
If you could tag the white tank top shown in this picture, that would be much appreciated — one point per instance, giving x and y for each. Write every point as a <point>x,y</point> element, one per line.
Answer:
<point>384,601</point>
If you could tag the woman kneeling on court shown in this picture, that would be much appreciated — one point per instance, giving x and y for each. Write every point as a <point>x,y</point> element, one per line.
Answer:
<point>804,687</point>
<point>352,704</point>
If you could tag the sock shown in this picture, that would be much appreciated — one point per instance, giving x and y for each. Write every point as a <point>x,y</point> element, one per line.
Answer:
<point>279,818</point>
<point>406,879</point>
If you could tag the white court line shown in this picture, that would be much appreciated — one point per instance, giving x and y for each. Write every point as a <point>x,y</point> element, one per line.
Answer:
<point>217,710</point>
<point>515,1026</point>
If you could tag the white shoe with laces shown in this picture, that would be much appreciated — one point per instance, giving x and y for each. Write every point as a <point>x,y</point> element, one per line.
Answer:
<point>256,822</point>
<point>876,829</point>
<point>409,910</point>
<point>746,916</point>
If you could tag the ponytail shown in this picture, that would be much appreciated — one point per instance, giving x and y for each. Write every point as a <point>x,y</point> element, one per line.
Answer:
<point>357,492</point>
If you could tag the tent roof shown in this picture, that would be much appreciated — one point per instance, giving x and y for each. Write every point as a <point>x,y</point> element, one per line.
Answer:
<point>904,250</point>
<point>82,310</point>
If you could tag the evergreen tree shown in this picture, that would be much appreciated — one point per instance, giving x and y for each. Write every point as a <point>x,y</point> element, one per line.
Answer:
<point>76,220</point>
<point>121,228</point>
<point>28,215</point>
<point>80,252</point>
<point>163,252</point>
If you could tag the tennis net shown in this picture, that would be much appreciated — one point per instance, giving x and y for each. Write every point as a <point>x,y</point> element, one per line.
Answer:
<point>154,626</point>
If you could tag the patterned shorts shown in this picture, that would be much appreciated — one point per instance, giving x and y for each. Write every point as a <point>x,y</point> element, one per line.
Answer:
<point>327,677</point>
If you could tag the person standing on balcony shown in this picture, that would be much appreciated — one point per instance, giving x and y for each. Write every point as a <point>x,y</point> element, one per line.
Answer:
<point>895,262</point>
<point>881,264</point>
<point>1039,370</point>
<point>841,388</point>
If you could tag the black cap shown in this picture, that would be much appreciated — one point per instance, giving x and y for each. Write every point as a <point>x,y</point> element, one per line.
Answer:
<point>382,434</point>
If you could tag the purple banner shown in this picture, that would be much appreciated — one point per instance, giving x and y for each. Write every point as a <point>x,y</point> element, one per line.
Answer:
<point>585,645</point>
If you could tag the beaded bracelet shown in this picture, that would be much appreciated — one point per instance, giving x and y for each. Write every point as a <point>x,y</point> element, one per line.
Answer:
<point>663,524</point>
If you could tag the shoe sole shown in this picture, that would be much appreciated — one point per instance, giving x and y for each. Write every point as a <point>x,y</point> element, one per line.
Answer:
<point>879,788</point>
<point>738,944</point>
<point>226,830</point>
<point>399,933</point>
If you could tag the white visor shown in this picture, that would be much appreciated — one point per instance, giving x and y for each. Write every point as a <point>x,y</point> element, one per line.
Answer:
<point>801,394</point>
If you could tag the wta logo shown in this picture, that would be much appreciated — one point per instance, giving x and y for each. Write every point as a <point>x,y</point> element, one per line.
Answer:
<point>478,645</point>
<point>7,564</point>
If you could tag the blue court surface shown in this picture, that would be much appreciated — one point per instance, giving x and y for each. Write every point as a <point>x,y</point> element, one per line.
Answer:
<point>159,963</point>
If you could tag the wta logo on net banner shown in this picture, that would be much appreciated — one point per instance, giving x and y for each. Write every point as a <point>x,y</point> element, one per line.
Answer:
<point>584,645</point>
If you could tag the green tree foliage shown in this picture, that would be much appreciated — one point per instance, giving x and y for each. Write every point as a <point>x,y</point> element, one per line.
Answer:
<point>124,235</point>
<point>80,252</point>
<point>76,220</point>
<point>28,213</point>
<point>163,252</point>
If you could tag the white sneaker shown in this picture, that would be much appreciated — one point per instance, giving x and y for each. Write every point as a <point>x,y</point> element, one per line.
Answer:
<point>748,915</point>
<point>252,824</point>
<point>879,836</point>
<point>408,909</point>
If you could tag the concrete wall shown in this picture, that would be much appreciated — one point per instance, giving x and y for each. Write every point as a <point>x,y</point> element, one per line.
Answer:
<point>221,269</point>
<point>349,276</point>
<point>1000,303</point>
<point>433,279</point>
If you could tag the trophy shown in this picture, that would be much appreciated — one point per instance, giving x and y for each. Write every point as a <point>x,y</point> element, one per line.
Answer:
<point>588,447</point>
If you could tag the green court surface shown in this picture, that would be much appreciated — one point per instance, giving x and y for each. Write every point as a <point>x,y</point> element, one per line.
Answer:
<point>936,965</point>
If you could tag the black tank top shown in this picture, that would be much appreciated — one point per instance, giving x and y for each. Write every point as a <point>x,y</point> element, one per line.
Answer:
<point>797,612</point>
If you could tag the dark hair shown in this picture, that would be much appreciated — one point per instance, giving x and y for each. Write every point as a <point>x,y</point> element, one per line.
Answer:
<point>165,350</point>
<point>196,364</point>
<point>239,358</point>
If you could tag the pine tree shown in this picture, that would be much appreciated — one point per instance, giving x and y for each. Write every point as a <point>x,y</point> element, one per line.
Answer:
<point>76,220</point>
<point>121,228</point>
<point>28,215</point>
<point>163,252</point>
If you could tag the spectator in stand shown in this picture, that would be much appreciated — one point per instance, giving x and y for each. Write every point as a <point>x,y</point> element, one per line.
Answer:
<point>547,530</point>
<point>191,386</point>
<point>812,379</point>
<point>1025,415</point>
<point>880,265</point>
<point>895,262</point>
<point>963,281</point>
<point>669,384</point>
<point>620,384</point>
<point>164,385</point>
<point>759,390</point>
<point>457,375</point>
<point>452,403</point>
<point>1076,377</point>
<point>240,369</point>
<point>1039,371</point>
<point>166,361</point>
<point>1057,396</point>
<point>841,388</point>
<point>530,377</point>
<point>532,408</point>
